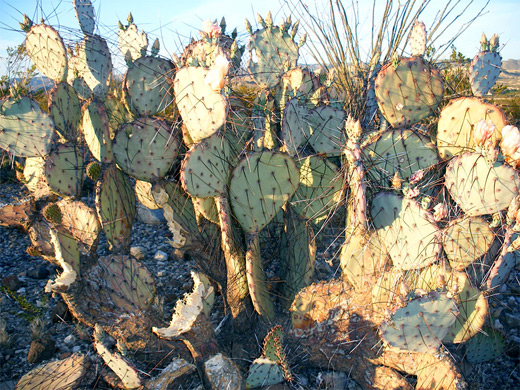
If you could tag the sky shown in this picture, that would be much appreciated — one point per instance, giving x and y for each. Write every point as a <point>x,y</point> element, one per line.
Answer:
<point>175,21</point>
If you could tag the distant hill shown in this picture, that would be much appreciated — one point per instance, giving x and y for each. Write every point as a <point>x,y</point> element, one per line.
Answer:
<point>511,65</point>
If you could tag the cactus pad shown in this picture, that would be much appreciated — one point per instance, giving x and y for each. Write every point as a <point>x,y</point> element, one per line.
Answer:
<point>264,372</point>
<point>34,177</point>
<point>397,151</point>
<point>327,128</point>
<point>85,15</point>
<point>485,346</point>
<point>146,148</point>
<point>421,325</point>
<point>64,170</point>
<point>456,122</point>
<point>409,92</point>
<point>115,205</point>
<point>260,185</point>
<point>97,132</point>
<point>479,187</point>
<point>26,130</point>
<point>465,240</point>
<point>47,51</point>
<point>147,85</point>
<point>319,189</point>
<point>409,233</point>
<point>96,64</point>
<point>484,71</point>
<point>132,43</point>
<point>202,109</point>
<point>418,39</point>
<point>206,166</point>
<point>295,129</point>
<point>65,111</point>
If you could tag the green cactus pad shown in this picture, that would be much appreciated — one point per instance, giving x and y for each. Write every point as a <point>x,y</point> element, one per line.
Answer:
<point>479,187</point>
<point>85,15</point>
<point>421,325</point>
<point>47,51</point>
<point>75,78</point>
<point>319,189</point>
<point>146,148</point>
<point>202,109</point>
<point>260,185</point>
<point>64,170</point>
<point>408,92</point>
<point>205,168</point>
<point>295,129</point>
<point>97,132</point>
<point>327,128</point>
<point>70,371</point>
<point>115,205</point>
<point>473,310</point>
<point>96,65</point>
<point>117,114</point>
<point>264,372</point>
<point>488,345</point>
<point>456,121</point>
<point>132,43</point>
<point>65,111</point>
<point>484,71</point>
<point>466,240</point>
<point>93,171</point>
<point>397,151</point>
<point>296,83</point>
<point>298,254</point>
<point>204,51</point>
<point>26,130</point>
<point>147,85</point>
<point>272,52</point>
<point>409,233</point>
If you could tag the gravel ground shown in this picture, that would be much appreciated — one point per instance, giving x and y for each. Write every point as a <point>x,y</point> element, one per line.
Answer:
<point>24,300</point>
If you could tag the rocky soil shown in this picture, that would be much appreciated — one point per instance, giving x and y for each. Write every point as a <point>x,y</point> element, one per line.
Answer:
<point>35,326</point>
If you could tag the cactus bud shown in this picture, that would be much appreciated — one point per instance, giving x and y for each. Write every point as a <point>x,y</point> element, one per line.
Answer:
<point>302,40</point>
<point>484,44</point>
<point>26,24</point>
<point>260,20</point>
<point>155,48</point>
<point>494,43</point>
<point>269,20</point>
<point>223,24</point>
<point>249,29</point>
<point>130,18</point>
<point>397,182</point>
<point>94,171</point>
<point>120,25</point>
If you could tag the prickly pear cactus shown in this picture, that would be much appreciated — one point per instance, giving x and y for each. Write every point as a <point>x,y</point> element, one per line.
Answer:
<point>65,111</point>
<point>85,15</point>
<point>485,67</point>
<point>408,91</point>
<point>132,43</point>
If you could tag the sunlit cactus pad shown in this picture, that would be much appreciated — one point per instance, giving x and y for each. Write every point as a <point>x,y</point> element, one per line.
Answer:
<point>146,148</point>
<point>147,85</point>
<point>27,130</point>
<point>260,185</point>
<point>408,92</point>
<point>421,325</point>
<point>47,51</point>
<point>327,129</point>
<point>96,131</point>
<point>480,187</point>
<point>465,240</point>
<point>203,110</point>
<point>456,121</point>
<point>95,64</point>
<point>64,170</point>
<point>409,233</point>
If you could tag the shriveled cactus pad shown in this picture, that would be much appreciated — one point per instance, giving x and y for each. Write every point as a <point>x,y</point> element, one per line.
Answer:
<point>401,150</point>
<point>260,185</point>
<point>409,91</point>
<point>27,130</point>
<point>421,325</point>
<point>60,374</point>
<point>465,240</point>
<point>147,85</point>
<point>480,187</point>
<point>409,233</point>
<point>456,121</point>
<point>202,109</point>
<point>146,148</point>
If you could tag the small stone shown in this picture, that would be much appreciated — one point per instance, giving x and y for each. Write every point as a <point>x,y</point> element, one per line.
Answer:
<point>41,272</point>
<point>76,348</point>
<point>149,216</point>
<point>160,256</point>
<point>161,273</point>
<point>333,380</point>
<point>60,313</point>
<point>11,282</point>
<point>138,252</point>
<point>70,339</point>
<point>41,349</point>
<point>222,373</point>
<point>512,321</point>
<point>21,291</point>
